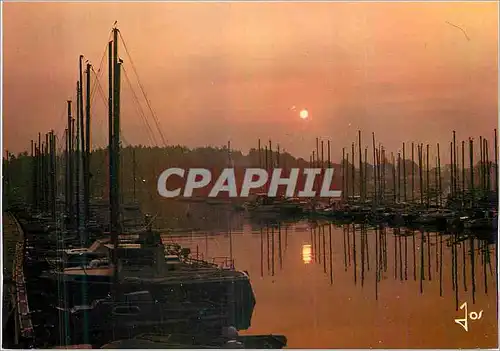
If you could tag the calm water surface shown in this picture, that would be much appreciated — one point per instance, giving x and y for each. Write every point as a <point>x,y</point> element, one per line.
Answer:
<point>343,287</point>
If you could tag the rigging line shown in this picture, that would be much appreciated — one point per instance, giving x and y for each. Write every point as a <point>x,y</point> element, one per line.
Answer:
<point>100,64</point>
<point>103,97</point>
<point>151,135</point>
<point>96,83</point>
<point>105,51</point>
<point>94,87</point>
<point>149,131</point>
<point>98,125</point>
<point>97,86</point>
<point>104,100</point>
<point>143,91</point>
<point>61,119</point>
<point>60,147</point>
<point>59,132</point>
<point>98,73</point>
<point>59,142</point>
<point>126,144</point>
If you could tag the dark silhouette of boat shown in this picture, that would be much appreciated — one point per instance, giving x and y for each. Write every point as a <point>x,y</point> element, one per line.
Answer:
<point>157,286</point>
<point>204,340</point>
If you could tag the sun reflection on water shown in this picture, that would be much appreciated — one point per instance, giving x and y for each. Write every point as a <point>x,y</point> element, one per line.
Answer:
<point>306,253</point>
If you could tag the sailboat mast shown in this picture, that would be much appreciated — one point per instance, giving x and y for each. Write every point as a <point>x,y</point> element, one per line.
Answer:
<point>110,140</point>
<point>37,173</point>
<point>46,176</point>
<point>78,157</point>
<point>33,169</point>
<point>353,175</point>
<point>134,171</point>
<point>427,175</point>
<point>116,127</point>
<point>328,154</point>
<point>73,175</point>
<point>361,190</point>
<point>453,165</point>
<point>413,172</point>
<point>344,177</point>
<point>463,173</point>
<point>404,173</point>
<point>398,188</point>
<point>69,161</point>
<point>86,165</point>
<point>81,155</point>
<point>317,153</point>
<point>66,168</point>
<point>440,189</point>
<point>260,158</point>
<point>496,162</point>
<point>420,176</point>
<point>46,173</point>
<point>375,191</point>
<point>114,142</point>
<point>53,180</point>
<point>471,166</point>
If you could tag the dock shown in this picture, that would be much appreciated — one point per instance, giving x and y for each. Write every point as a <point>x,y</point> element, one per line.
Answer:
<point>19,310</point>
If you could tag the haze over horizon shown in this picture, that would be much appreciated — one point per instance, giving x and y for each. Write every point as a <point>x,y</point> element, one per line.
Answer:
<point>215,72</point>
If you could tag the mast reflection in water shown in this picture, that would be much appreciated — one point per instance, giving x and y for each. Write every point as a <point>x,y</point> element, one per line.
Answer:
<point>306,253</point>
<point>394,288</point>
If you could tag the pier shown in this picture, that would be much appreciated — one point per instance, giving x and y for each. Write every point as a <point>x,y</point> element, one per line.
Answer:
<point>19,307</point>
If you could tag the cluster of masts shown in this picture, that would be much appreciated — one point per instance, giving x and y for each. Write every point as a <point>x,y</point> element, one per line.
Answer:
<point>44,173</point>
<point>77,152</point>
<point>398,179</point>
<point>391,177</point>
<point>266,156</point>
<point>464,183</point>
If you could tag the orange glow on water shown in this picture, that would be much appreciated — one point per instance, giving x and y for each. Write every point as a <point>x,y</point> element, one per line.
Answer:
<point>306,254</point>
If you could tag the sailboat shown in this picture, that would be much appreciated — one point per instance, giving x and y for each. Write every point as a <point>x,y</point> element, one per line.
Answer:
<point>131,283</point>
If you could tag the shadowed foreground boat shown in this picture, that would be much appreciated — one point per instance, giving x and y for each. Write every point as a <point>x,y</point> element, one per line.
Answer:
<point>183,341</point>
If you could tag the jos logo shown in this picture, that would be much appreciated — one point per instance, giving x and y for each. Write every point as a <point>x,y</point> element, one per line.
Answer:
<point>464,322</point>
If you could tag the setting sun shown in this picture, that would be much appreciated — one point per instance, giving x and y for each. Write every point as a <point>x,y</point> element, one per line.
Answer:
<point>304,114</point>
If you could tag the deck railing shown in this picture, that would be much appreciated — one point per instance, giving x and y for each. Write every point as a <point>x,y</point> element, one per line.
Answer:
<point>223,262</point>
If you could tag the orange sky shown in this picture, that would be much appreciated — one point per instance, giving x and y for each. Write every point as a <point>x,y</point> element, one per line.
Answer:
<point>218,72</point>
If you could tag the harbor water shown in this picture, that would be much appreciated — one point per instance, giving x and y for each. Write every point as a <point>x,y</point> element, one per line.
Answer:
<point>326,286</point>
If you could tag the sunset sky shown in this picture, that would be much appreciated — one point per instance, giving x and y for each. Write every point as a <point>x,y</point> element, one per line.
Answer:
<point>242,71</point>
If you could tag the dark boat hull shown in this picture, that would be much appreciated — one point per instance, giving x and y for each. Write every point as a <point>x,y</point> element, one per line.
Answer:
<point>172,306</point>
